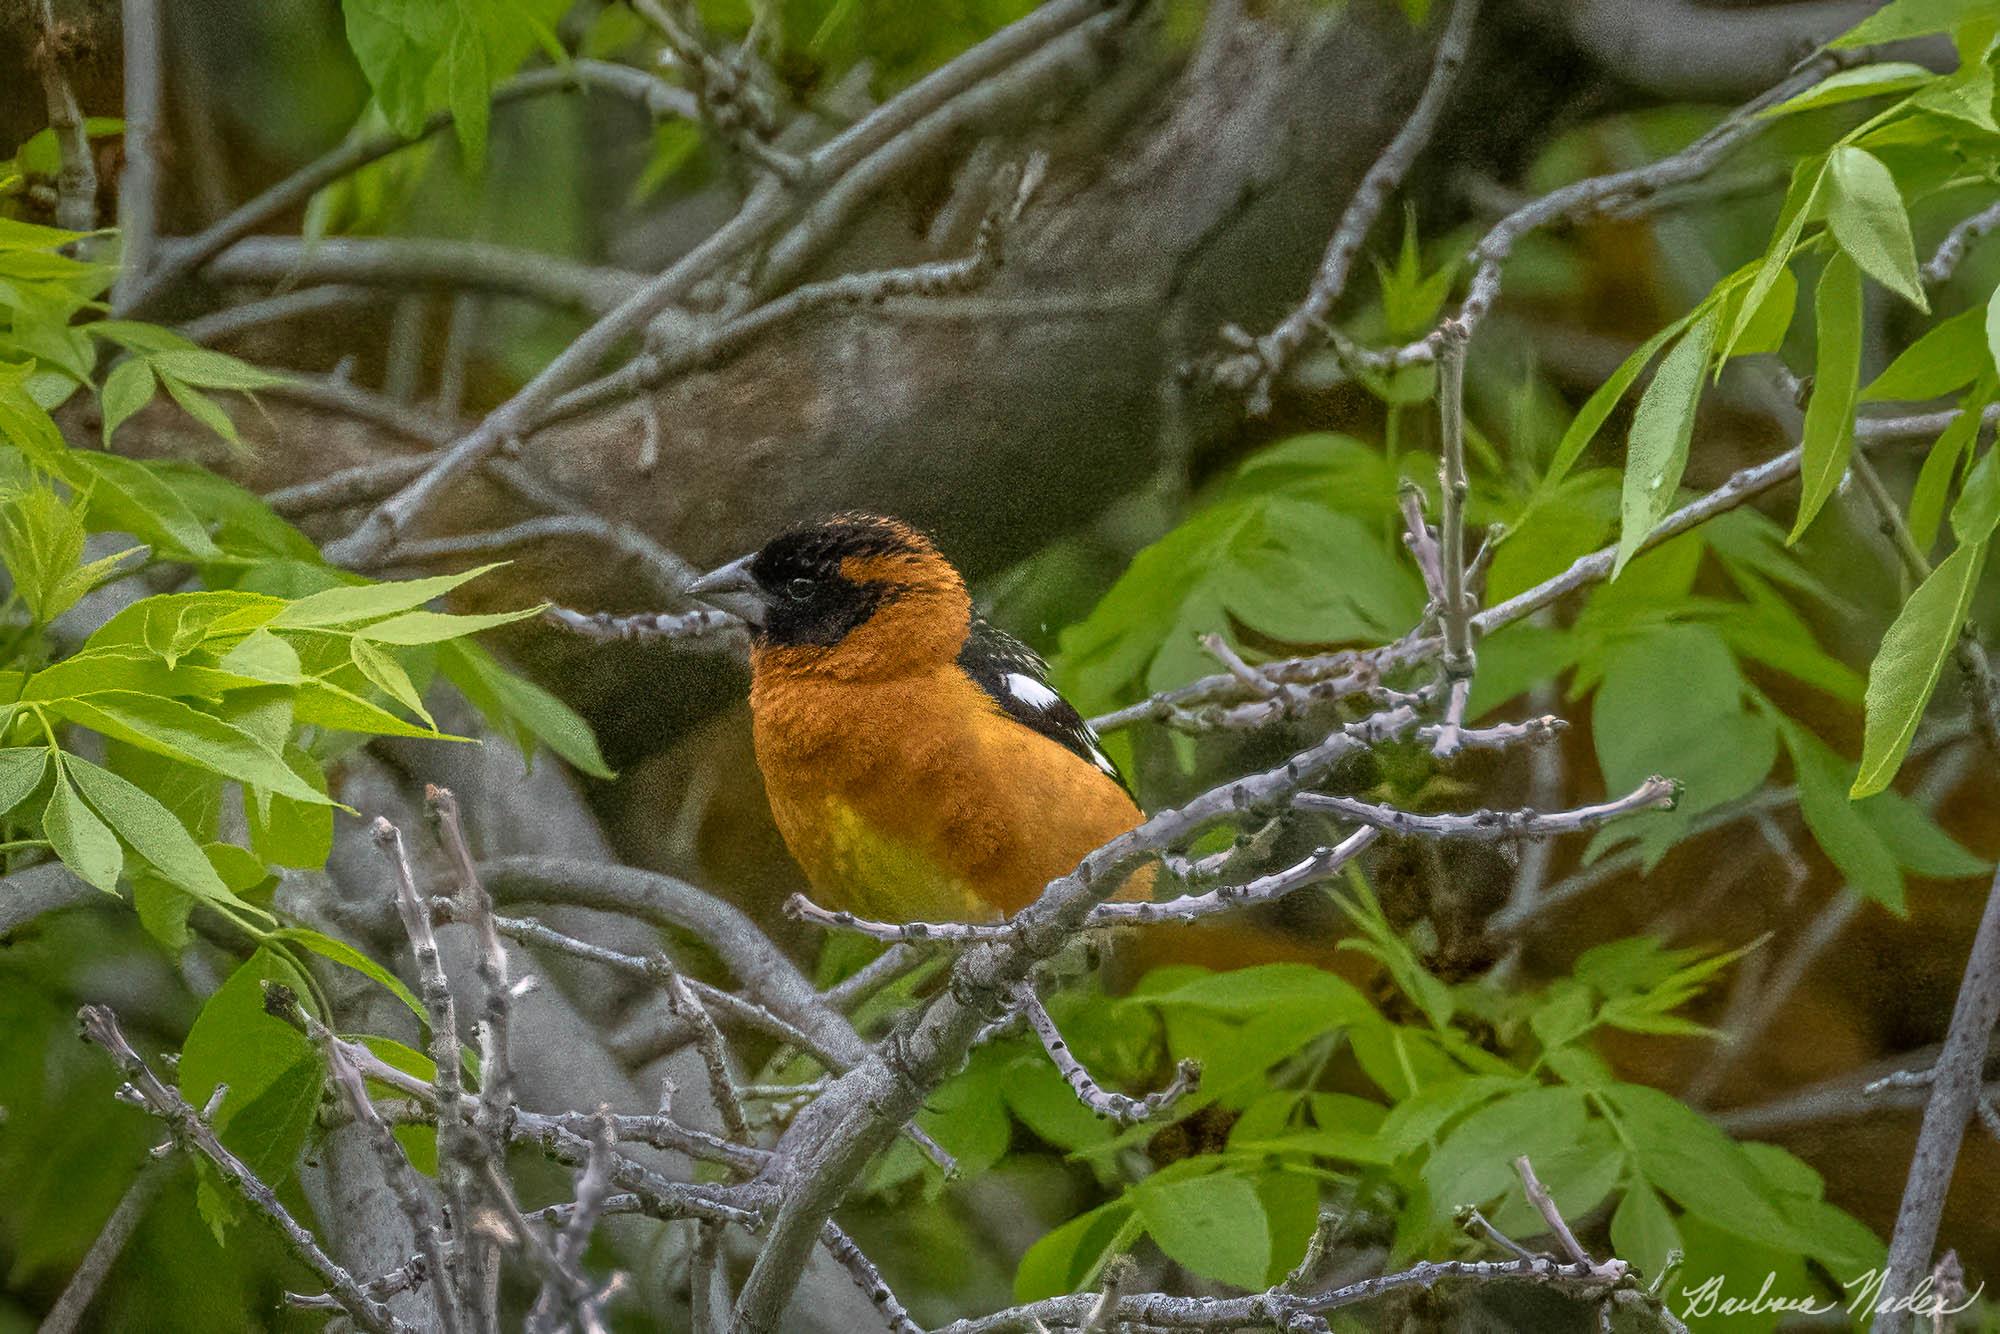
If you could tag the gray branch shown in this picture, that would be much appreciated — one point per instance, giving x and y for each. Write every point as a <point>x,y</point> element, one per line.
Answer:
<point>192,1132</point>
<point>1954,1098</point>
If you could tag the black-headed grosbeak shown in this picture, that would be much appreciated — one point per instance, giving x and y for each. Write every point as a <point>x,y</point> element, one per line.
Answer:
<point>918,763</point>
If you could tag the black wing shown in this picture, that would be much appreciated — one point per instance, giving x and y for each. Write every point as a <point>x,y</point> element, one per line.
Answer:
<point>1018,681</point>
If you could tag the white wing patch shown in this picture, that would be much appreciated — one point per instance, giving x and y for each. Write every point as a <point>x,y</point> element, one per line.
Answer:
<point>1031,692</point>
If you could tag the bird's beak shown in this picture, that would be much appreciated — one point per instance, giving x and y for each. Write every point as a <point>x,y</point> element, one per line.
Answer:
<point>732,588</point>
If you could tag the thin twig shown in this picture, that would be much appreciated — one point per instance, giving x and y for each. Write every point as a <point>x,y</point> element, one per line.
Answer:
<point>459,1149</point>
<point>194,1134</point>
<point>1455,616</point>
<point>179,260</point>
<point>1954,1097</point>
<point>869,1279</point>
<point>1655,793</point>
<point>1252,370</point>
<point>1115,1107</point>
<point>406,263</point>
<point>1945,261</point>
<point>411,1195</point>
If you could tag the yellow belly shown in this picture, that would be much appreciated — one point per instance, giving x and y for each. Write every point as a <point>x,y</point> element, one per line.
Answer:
<point>855,867</point>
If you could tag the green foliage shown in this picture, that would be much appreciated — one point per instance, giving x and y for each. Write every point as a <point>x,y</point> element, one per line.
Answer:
<point>435,55</point>
<point>1249,561</point>
<point>119,753</point>
<point>1430,1121</point>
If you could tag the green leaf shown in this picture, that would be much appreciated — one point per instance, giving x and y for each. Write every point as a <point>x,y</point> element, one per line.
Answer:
<point>126,495</point>
<point>1993,327</point>
<point>397,45</point>
<point>520,707</point>
<point>1945,360</point>
<point>1650,682</point>
<point>21,770</point>
<point>293,833</point>
<point>1866,216</point>
<point>1913,18</point>
<point>154,833</point>
<point>1070,1256</point>
<point>1684,1155</point>
<point>272,1071</point>
<point>1657,449</point>
<point>1837,824</point>
<point>263,656</point>
<point>1916,840</point>
<point>1907,667</point>
<point>388,674</point>
<point>42,543</point>
<point>1591,416</point>
<point>128,388</point>
<point>1978,507</point>
<point>467,86</point>
<point>1889,76</point>
<point>1768,324</point>
<point>1642,1231</point>
<point>83,842</point>
<point>1474,1164</point>
<point>171,728</point>
<point>1829,428</point>
<point>202,408</point>
<point>138,336</point>
<point>163,909</point>
<point>348,957</point>
<point>1941,466</point>
<point>1800,196</point>
<point>357,603</point>
<point>214,370</point>
<point>431,627</point>
<point>1213,1226</point>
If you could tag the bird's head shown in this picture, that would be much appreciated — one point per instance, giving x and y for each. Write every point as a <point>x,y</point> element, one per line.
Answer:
<point>854,595</point>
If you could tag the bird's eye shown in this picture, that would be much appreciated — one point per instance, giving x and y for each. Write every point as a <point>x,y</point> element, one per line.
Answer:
<point>799,589</point>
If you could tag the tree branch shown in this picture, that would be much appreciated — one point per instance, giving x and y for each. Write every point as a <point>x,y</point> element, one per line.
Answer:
<point>405,262</point>
<point>192,1133</point>
<point>1954,1097</point>
<point>1260,362</point>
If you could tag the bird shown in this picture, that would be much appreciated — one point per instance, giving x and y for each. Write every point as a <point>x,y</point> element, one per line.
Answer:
<point>919,764</point>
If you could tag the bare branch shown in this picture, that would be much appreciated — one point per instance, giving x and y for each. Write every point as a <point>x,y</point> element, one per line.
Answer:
<point>193,1134</point>
<point>1655,793</point>
<point>408,262</point>
<point>179,260</point>
<point>1455,615</point>
<point>1951,252</point>
<point>139,182</point>
<point>1261,361</point>
<point>1954,1098</point>
<point>1115,1107</point>
<point>1545,1205</point>
<point>869,1279</point>
<point>716,344</point>
<point>765,209</point>
<point>704,623</point>
<point>459,1151</point>
<point>411,1196</point>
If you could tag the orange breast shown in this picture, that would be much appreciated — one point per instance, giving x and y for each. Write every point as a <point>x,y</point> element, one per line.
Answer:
<point>917,799</point>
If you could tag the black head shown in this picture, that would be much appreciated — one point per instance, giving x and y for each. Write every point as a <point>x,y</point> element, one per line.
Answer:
<point>815,584</point>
